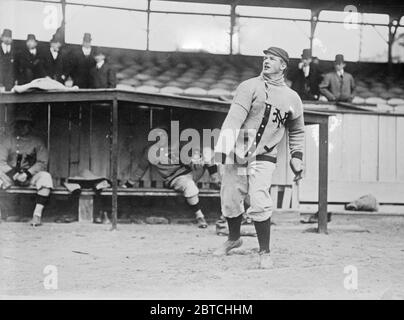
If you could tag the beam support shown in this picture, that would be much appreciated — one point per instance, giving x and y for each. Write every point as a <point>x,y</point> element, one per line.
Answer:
<point>114,164</point>
<point>323,177</point>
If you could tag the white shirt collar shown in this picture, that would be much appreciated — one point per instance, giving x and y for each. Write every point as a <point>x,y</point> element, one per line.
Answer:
<point>86,51</point>
<point>306,70</point>
<point>340,73</point>
<point>32,51</point>
<point>6,47</point>
<point>54,53</point>
<point>100,64</point>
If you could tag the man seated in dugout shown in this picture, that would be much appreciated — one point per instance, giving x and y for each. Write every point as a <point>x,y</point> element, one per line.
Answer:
<point>23,162</point>
<point>178,174</point>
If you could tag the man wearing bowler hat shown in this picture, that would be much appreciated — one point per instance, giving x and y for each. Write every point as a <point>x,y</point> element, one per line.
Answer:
<point>264,108</point>
<point>7,63</point>
<point>81,62</point>
<point>338,85</point>
<point>23,162</point>
<point>102,75</point>
<point>29,62</point>
<point>307,77</point>
<point>54,62</point>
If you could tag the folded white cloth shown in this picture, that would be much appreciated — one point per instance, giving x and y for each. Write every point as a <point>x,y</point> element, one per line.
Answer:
<point>44,84</point>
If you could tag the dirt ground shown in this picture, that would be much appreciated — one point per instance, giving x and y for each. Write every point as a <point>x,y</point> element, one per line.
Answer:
<point>174,261</point>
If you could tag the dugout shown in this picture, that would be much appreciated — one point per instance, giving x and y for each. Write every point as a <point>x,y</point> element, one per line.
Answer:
<point>70,122</point>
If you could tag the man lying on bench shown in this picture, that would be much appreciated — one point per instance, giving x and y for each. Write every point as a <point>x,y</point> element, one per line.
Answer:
<point>23,162</point>
<point>178,174</point>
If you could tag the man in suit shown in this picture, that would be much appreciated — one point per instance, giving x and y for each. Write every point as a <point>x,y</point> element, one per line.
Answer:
<point>306,79</point>
<point>29,62</point>
<point>7,65</point>
<point>102,74</point>
<point>338,85</point>
<point>82,62</point>
<point>54,62</point>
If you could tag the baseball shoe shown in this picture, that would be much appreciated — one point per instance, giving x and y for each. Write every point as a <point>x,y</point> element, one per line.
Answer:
<point>265,261</point>
<point>227,246</point>
<point>202,224</point>
<point>36,221</point>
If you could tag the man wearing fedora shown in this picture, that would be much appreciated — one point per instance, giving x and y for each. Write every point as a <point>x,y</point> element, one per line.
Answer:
<point>307,77</point>
<point>23,162</point>
<point>29,62</point>
<point>7,63</point>
<point>81,62</point>
<point>102,75</point>
<point>54,62</point>
<point>264,108</point>
<point>338,85</point>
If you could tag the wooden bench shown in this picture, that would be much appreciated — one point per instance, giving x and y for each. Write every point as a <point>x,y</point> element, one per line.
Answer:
<point>87,196</point>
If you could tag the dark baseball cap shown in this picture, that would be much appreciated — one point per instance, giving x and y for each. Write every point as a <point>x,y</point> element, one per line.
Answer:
<point>279,52</point>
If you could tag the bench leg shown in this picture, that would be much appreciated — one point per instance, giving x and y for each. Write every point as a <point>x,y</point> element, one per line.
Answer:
<point>86,209</point>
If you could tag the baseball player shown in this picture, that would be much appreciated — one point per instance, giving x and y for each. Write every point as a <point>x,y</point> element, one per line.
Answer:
<point>23,162</point>
<point>263,109</point>
<point>178,174</point>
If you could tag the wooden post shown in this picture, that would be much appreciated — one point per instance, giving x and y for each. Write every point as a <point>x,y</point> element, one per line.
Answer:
<point>48,133</point>
<point>313,25</point>
<point>148,26</point>
<point>90,138</point>
<point>114,164</point>
<point>323,176</point>
<point>86,208</point>
<point>393,26</point>
<point>232,24</point>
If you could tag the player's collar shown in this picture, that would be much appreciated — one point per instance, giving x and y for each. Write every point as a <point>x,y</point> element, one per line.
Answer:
<point>275,82</point>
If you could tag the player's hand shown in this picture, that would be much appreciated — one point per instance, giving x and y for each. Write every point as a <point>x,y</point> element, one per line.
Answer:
<point>297,167</point>
<point>21,177</point>
<point>196,162</point>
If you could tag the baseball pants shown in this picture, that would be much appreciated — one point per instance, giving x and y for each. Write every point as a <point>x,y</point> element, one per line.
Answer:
<point>41,180</point>
<point>253,181</point>
<point>186,185</point>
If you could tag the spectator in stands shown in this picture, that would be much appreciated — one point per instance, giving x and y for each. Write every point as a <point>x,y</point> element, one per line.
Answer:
<point>306,79</point>
<point>178,174</point>
<point>102,75</point>
<point>338,85</point>
<point>7,65</point>
<point>82,62</point>
<point>29,62</point>
<point>54,62</point>
<point>23,162</point>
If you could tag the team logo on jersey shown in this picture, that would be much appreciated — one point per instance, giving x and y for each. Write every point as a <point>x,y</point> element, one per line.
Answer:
<point>278,117</point>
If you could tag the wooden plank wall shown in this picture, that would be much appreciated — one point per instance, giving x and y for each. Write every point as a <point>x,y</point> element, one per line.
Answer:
<point>366,154</point>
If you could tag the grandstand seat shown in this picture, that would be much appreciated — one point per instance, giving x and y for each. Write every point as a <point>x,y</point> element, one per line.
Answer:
<point>148,89</point>
<point>358,100</point>
<point>142,77</point>
<point>153,83</point>
<point>218,92</point>
<point>395,101</point>
<point>171,90</point>
<point>195,91</point>
<point>125,87</point>
<point>131,82</point>
<point>375,100</point>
